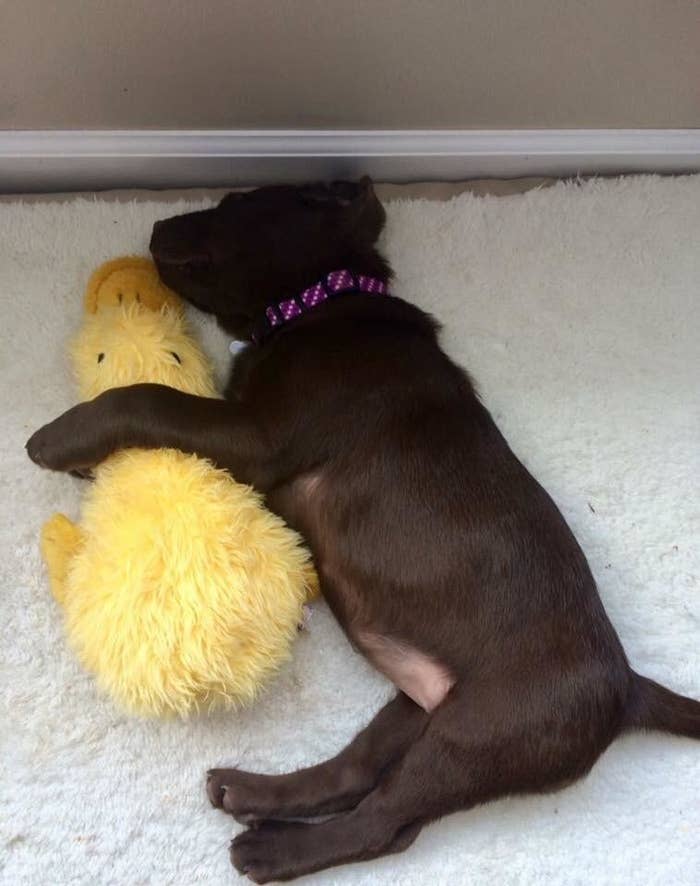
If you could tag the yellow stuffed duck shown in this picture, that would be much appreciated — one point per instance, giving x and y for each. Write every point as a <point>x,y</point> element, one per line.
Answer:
<point>180,590</point>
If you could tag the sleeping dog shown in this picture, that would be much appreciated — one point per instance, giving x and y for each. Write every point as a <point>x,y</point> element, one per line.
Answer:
<point>446,564</point>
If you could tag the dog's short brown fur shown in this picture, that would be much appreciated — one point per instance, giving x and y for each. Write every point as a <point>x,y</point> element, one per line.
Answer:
<point>433,543</point>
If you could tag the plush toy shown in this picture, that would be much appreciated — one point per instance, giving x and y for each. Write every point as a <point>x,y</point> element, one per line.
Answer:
<point>180,590</point>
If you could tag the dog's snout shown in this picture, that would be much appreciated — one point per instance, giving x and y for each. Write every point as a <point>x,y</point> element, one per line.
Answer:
<point>164,246</point>
<point>181,239</point>
<point>156,239</point>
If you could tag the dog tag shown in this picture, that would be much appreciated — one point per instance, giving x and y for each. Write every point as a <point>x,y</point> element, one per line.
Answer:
<point>235,346</point>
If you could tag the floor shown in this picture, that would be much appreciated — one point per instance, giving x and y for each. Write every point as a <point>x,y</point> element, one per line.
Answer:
<point>575,306</point>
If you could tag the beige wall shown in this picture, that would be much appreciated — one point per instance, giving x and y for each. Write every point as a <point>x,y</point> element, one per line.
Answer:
<point>128,64</point>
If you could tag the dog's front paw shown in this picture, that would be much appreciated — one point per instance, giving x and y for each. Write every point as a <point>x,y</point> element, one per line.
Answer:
<point>68,443</point>
<point>36,447</point>
<point>49,447</point>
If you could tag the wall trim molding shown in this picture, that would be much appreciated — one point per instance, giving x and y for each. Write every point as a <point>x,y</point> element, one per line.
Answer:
<point>78,159</point>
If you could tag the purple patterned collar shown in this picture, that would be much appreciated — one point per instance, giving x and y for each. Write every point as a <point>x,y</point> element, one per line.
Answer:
<point>335,283</point>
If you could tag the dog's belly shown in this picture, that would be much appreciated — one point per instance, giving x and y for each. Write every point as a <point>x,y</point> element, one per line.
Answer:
<point>416,674</point>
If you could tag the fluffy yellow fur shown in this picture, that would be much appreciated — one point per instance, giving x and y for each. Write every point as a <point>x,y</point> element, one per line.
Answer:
<point>180,590</point>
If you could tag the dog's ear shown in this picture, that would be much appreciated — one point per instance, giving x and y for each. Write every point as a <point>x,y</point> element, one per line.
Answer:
<point>338,194</point>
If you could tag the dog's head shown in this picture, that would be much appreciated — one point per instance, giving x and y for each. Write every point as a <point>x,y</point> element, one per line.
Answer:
<point>255,246</point>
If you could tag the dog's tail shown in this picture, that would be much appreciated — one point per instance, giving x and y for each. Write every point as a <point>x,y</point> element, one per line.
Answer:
<point>652,706</point>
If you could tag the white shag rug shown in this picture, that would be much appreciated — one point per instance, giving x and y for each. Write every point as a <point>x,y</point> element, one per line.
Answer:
<point>577,308</point>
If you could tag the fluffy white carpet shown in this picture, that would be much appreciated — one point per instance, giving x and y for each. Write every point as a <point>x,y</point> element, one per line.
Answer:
<point>577,309</point>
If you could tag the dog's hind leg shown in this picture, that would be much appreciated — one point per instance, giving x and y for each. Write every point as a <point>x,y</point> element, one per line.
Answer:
<point>333,786</point>
<point>467,755</point>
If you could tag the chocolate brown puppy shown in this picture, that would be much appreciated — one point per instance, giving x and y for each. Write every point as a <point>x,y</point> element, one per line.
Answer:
<point>442,558</point>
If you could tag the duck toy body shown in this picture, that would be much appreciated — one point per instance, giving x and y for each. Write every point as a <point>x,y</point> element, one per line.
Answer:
<point>180,590</point>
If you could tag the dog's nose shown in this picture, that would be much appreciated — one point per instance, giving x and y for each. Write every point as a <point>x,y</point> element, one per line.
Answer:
<point>156,237</point>
<point>166,247</point>
<point>182,238</point>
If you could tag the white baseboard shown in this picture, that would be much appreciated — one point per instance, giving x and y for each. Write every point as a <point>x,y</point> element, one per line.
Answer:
<point>32,161</point>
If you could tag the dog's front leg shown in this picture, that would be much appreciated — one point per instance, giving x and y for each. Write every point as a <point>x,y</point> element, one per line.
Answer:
<point>151,416</point>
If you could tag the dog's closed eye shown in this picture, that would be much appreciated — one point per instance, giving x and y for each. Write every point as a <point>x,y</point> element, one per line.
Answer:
<point>176,356</point>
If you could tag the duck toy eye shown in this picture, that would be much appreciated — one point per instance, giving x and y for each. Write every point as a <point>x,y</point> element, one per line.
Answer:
<point>100,358</point>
